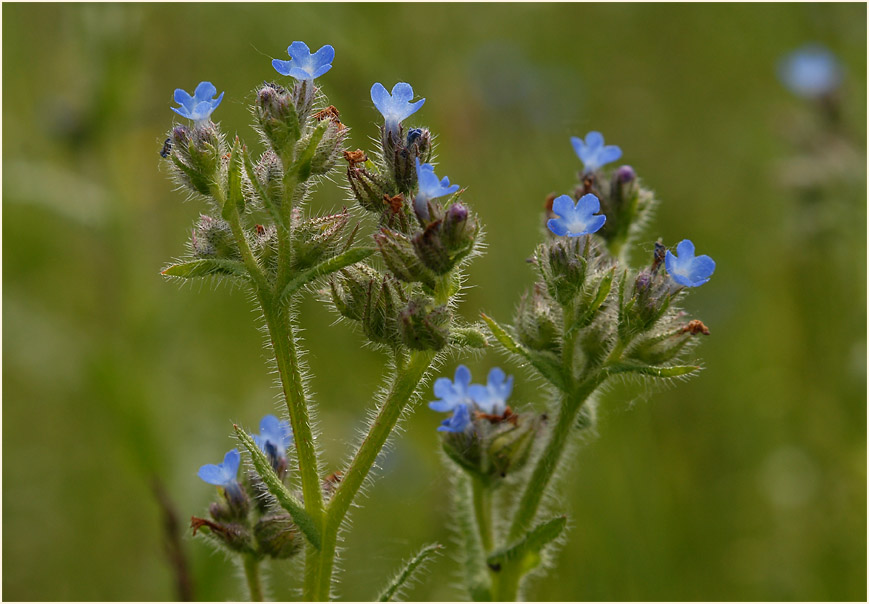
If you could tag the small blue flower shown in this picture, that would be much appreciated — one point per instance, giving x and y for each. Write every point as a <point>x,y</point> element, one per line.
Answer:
<point>275,436</point>
<point>811,71</point>
<point>222,475</point>
<point>199,106</point>
<point>304,65</point>
<point>576,219</point>
<point>593,153</point>
<point>492,398</point>
<point>429,187</point>
<point>686,269</point>
<point>396,107</point>
<point>459,421</point>
<point>452,394</point>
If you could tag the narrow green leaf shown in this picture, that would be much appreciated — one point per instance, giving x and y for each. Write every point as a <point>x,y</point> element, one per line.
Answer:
<point>234,198</point>
<point>206,267</point>
<point>302,166</point>
<point>603,290</point>
<point>351,256</point>
<point>416,563</point>
<point>658,372</point>
<point>264,197</point>
<point>547,366</point>
<point>285,498</point>
<point>528,546</point>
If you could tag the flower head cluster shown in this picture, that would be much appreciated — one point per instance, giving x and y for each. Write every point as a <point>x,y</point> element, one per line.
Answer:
<point>811,71</point>
<point>461,397</point>
<point>575,219</point>
<point>686,269</point>
<point>592,151</point>
<point>395,107</point>
<point>200,106</point>
<point>430,187</point>
<point>302,64</point>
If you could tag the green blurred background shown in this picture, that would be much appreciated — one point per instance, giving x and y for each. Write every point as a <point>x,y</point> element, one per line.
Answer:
<point>747,483</point>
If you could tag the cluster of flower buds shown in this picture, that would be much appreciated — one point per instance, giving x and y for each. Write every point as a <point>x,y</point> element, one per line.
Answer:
<point>260,528</point>
<point>483,436</point>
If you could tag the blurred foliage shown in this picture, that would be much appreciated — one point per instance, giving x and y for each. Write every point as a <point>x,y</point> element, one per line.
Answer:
<point>748,483</point>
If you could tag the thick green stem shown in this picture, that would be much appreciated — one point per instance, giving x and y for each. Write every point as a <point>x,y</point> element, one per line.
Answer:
<point>251,573</point>
<point>483,514</point>
<point>403,387</point>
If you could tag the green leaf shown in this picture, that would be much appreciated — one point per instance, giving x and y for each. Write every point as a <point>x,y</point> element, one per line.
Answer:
<point>526,551</point>
<point>658,372</point>
<point>401,579</point>
<point>207,267</point>
<point>545,364</point>
<point>302,166</point>
<point>285,498</point>
<point>351,256</point>
<point>603,290</point>
<point>235,196</point>
<point>274,212</point>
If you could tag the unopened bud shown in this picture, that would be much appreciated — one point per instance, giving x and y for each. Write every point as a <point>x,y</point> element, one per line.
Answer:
<point>234,536</point>
<point>423,326</point>
<point>379,322</point>
<point>328,150</point>
<point>276,116</point>
<point>401,259</point>
<point>278,536</point>
<point>536,323</point>
<point>316,238</point>
<point>564,270</point>
<point>350,290</point>
<point>509,450</point>
<point>213,238</point>
<point>368,188</point>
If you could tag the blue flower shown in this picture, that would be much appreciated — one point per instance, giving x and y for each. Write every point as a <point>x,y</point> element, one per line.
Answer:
<point>452,394</point>
<point>576,219</point>
<point>274,437</point>
<point>222,475</point>
<point>492,398</point>
<point>593,153</point>
<point>811,71</point>
<point>397,107</point>
<point>304,65</point>
<point>686,269</point>
<point>429,187</point>
<point>199,106</point>
<point>459,421</point>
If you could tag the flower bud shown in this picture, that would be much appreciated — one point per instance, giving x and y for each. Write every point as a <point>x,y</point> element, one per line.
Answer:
<point>649,300</point>
<point>564,268</point>
<point>196,156</point>
<point>447,238</point>
<point>328,150</point>
<point>369,189</point>
<point>350,290</point>
<point>401,259</point>
<point>270,174</point>
<point>315,239</point>
<point>401,153</point>
<point>379,321</point>
<point>423,326</point>
<point>278,536</point>
<point>234,536</point>
<point>511,448</point>
<point>276,116</point>
<point>537,323</point>
<point>213,238</point>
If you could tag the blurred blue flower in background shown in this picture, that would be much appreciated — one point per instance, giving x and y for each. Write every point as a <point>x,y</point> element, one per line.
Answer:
<point>459,421</point>
<point>811,71</point>
<point>687,269</point>
<point>200,106</point>
<point>452,394</point>
<point>576,219</point>
<point>396,107</point>
<point>492,398</point>
<point>304,65</point>
<point>593,153</point>
<point>224,474</point>
<point>275,436</point>
<point>430,188</point>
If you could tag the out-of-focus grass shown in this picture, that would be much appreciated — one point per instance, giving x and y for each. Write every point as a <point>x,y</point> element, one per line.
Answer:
<point>749,482</point>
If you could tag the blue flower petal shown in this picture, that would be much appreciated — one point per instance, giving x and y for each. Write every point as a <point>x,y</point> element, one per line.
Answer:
<point>609,154</point>
<point>563,205</point>
<point>685,250</point>
<point>402,92</point>
<point>557,226</point>
<point>459,421</point>
<point>298,51</point>
<point>594,141</point>
<point>183,98</point>
<point>686,269</point>
<point>282,67</point>
<point>463,376</point>
<point>204,91</point>
<point>588,204</point>
<point>594,224</point>
<point>593,153</point>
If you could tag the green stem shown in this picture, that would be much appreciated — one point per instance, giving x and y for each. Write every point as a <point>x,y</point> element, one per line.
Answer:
<point>403,387</point>
<point>483,514</point>
<point>251,573</point>
<point>241,240</point>
<point>505,585</point>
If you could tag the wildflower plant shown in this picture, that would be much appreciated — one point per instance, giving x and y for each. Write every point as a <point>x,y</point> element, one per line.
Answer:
<point>393,267</point>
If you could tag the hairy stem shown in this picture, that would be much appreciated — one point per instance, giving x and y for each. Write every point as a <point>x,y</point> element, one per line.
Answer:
<point>401,392</point>
<point>483,514</point>
<point>251,573</point>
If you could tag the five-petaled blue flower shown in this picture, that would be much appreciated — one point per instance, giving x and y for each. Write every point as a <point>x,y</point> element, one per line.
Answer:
<point>274,437</point>
<point>458,421</point>
<point>396,107</point>
<point>593,153</point>
<point>452,394</point>
<point>576,219</point>
<point>492,398</point>
<point>429,187</point>
<point>199,106</point>
<point>687,269</point>
<point>811,71</point>
<point>222,475</point>
<point>304,65</point>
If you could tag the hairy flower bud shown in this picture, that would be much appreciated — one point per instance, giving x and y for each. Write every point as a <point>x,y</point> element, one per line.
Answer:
<point>278,536</point>
<point>423,326</point>
<point>270,174</point>
<point>196,156</point>
<point>379,322</point>
<point>276,116</point>
<point>316,238</point>
<point>350,290</point>
<point>401,152</point>
<point>368,188</point>
<point>401,259</point>
<point>510,449</point>
<point>236,537</point>
<point>212,238</point>
<point>447,239</point>
<point>564,268</point>
<point>537,323</point>
<point>328,150</point>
